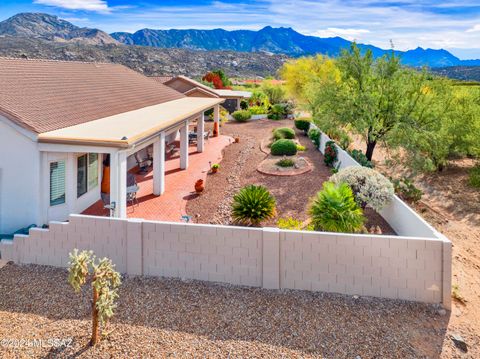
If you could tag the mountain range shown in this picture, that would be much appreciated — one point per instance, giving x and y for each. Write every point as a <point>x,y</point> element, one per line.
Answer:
<point>246,52</point>
<point>273,40</point>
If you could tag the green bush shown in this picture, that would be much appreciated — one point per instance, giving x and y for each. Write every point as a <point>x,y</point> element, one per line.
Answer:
<point>289,223</point>
<point>474,177</point>
<point>285,162</point>
<point>279,111</point>
<point>360,157</point>
<point>258,110</point>
<point>407,190</point>
<point>303,124</point>
<point>334,210</point>
<point>340,136</point>
<point>331,153</point>
<point>283,147</point>
<point>242,115</point>
<point>314,135</point>
<point>283,132</point>
<point>252,205</point>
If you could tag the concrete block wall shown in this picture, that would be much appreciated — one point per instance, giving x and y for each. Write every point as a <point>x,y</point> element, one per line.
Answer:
<point>409,268</point>
<point>381,266</point>
<point>204,252</point>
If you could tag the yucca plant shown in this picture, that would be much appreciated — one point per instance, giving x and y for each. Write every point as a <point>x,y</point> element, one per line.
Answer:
<point>252,205</point>
<point>334,210</point>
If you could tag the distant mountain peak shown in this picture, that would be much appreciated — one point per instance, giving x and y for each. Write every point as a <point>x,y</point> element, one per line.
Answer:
<point>52,28</point>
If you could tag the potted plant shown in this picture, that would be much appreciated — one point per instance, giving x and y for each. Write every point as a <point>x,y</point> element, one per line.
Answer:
<point>215,168</point>
<point>237,139</point>
<point>199,186</point>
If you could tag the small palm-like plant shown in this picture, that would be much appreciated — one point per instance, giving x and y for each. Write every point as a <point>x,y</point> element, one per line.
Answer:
<point>252,205</point>
<point>334,210</point>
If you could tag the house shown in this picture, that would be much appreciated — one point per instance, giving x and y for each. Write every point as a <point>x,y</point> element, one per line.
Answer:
<point>62,123</point>
<point>192,88</point>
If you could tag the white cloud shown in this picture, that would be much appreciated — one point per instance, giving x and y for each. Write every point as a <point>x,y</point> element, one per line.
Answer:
<point>475,28</point>
<point>89,5</point>
<point>349,34</point>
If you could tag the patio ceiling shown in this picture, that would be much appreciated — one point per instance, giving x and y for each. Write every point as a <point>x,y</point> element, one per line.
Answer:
<point>127,128</point>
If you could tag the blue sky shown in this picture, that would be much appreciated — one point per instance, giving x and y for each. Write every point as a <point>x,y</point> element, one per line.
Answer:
<point>453,25</point>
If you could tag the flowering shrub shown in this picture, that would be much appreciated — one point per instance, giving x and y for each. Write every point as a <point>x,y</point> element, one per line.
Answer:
<point>330,155</point>
<point>369,187</point>
<point>218,79</point>
<point>289,223</point>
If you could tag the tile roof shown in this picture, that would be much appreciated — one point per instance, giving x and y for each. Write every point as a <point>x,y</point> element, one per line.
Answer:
<point>46,95</point>
<point>162,79</point>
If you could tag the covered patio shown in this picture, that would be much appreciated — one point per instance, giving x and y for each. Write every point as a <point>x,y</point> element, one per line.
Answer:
<point>116,140</point>
<point>170,206</point>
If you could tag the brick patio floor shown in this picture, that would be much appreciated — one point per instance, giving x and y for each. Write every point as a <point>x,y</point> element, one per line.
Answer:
<point>179,184</point>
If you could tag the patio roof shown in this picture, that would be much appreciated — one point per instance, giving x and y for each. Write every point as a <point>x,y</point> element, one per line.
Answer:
<point>124,129</point>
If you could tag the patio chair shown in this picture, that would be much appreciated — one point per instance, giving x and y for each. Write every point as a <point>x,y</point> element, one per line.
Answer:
<point>132,194</point>
<point>142,164</point>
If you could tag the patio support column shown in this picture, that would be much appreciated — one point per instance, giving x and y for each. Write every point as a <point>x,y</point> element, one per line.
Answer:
<point>239,100</point>
<point>216,120</point>
<point>200,130</point>
<point>118,183</point>
<point>184,146</point>
<point>159,165</point>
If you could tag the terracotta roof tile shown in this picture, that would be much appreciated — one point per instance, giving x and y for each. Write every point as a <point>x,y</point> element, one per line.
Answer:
<point>162,79</point>
<point>46,95</point>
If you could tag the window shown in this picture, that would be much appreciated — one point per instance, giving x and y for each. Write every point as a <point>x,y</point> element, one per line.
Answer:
<point>81,175</point>
<point>57,183</point>
<point>87,173</point>
<point>92,170</point>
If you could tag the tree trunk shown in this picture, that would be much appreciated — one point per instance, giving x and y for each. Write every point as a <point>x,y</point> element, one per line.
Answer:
<point>94,339</point>
<point>370,147</point>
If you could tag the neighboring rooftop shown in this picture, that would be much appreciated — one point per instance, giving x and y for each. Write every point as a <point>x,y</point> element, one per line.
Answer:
<point>48,95</point>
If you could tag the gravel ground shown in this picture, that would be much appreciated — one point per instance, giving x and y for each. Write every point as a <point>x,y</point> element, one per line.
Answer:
<point>239,168</point>
<point>171,318</point>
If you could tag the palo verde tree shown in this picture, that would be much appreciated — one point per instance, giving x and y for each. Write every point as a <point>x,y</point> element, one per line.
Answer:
<point>379,97</point>
<point>105,281</point>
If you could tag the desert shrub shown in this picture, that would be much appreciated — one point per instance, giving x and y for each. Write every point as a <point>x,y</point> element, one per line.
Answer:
<point>258,110</point>
<point>275,93</point>
<point>242,115</point>
<point>279,111</point>
<point>289,223</point>
<point>285,162</point>
<point>360,157</point>
<point>301,148</point>
<point>283,147</point>
<point>314,135</point>
<point>369,186</point>
<point>303,124</point>
<point>334,209</point>
<point>407,190</point>
<point>474,176</point>
<point>331,153</point>
<point>339,135</point>
<point>252,205</point>
<point>283,132</point>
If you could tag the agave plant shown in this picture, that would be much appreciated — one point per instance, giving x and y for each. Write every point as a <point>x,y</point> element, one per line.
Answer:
<point>334,210</point>
<point>252,205</point>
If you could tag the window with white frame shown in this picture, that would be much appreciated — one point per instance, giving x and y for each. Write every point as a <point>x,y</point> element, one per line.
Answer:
<point>87,173</point>
<point>57,183</point>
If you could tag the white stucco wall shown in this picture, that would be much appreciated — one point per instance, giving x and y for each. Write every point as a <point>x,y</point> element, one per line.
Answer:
<point>19,178</point>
